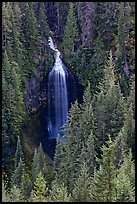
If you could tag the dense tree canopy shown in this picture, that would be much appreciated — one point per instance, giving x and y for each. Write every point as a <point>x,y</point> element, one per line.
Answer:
<point>95,160</point>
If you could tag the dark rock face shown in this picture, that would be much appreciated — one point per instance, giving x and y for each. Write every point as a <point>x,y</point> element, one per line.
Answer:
<point>34,95</point>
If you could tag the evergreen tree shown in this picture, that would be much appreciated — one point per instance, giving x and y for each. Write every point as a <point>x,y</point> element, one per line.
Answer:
<point>129,127</point>
<point>131,98</point>
<point>59,193</point>
<point>61,11</point>
<point>125,184</point>
<point>15,195</point>
<point>78,143</point>
<point>87,119</point>
<point>81,187</point>
<point>71,32</point>
<point>18,111</point>
<point>120,148</point>
<point>106,22</point>
<point>96,70</point>
<point>7,136</point>
<point>30,38</point>
<point>35,166</point>
<point>40,189</point>
<point>5,142</point>
<point>104,178</point>
<point>66,156</point>
<point>38,164</point>
<point>5,195</point>
<point>18,175</point>
<point>59,154</point>
<point>87,154</point>
<point>18,153</point>
<point>109,79</point>
<point>109,105</point>
<point>129,168</point>
<point>121,52</point>
<point>42,20</point>
<point>86,13</point>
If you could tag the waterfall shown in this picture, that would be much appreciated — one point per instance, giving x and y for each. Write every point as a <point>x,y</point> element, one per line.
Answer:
<point>57,95</point>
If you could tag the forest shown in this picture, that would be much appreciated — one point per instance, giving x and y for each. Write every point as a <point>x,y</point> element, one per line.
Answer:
<point>93,157</point>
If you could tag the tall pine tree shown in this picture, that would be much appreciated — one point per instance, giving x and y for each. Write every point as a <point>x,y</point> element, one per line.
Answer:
<point>71,32</point>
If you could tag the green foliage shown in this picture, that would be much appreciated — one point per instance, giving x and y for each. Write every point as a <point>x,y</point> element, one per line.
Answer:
<point>129,168</point>
<point>5,196</point>
<point>42,20</point>
<point>129,127</point>
<point>18,174</point>
<point>77,145</point>
<point>106,17</point>
<point>121,52</point>
<point>25,31</point>
<point>18,153</point>
<point>95,72</point>
<point>120,148</point>
<point>125,184</point>
<point>40,189</point>
<point>15,195</point>
<point>104,178</point>
<point>59,193</point>
<point>109,75</point>
<point>71,32</point>
<point>81,187</point>
<point>39,163</point>
<point>109,106</point>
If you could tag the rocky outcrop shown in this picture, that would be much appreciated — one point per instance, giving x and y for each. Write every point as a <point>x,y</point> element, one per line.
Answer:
<point>35,94</point>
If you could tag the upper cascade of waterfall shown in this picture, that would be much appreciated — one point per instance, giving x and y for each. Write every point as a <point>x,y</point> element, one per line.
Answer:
<point>58,62</point>
<point>54,48</point>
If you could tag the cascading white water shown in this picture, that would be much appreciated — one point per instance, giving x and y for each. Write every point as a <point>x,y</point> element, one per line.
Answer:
<point>57,95</point>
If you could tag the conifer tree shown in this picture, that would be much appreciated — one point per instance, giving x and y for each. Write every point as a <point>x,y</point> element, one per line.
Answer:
<point>87,119</point>
<point>14,102</point>
<point>87,154</point>
<point>104,178</point>
<point>81,187</point>
<point>5,195</point>
<point>18,153</point>
<point>109,75</point>
<point>7,136</point>
<point>38,164</point>
<point>125,182</point>
<point>18,111</point>
<point>131,97</point>
<point>40,189</point>
<point>15,195</point>
<point>109,105</point>
<point>66,154</point>
<point>59,193</point>
<point>79,143</point>
<point>120,148</point>
<point>30,38</point>
<point>59,154</point>
<point>42,20</point>
<point>96,70</point>
<point>129,127</point>
<point>35,166</point>
<point>129,167</point>
<point>18,175</point>
<point>71,32</point>
<point>121,52</point>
